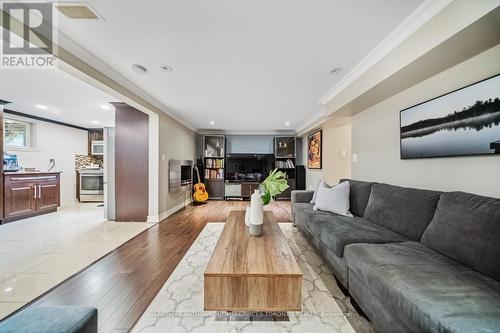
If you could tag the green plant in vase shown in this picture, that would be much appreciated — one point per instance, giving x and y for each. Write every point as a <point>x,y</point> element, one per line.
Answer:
<point>273,185</point>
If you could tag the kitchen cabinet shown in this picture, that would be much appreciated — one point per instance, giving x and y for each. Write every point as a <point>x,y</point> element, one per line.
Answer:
<point>28,194</point>
<point>94,135</point>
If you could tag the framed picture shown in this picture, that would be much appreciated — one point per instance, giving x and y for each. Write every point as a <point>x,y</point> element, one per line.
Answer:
<point>463,122</point>
<point>314,150</point>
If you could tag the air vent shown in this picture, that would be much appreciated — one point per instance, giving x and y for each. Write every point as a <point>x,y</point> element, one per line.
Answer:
<point>79,12</point>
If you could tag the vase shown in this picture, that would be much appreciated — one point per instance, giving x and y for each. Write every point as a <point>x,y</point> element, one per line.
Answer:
<point>247,216</point>
<point>256,214</point>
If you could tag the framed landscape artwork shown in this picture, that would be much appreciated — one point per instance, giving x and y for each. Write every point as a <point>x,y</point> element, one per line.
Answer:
<point>463,122</point>
<point>314,150</point>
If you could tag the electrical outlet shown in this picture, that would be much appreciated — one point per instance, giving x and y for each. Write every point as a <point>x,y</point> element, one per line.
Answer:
<point>354,157</point>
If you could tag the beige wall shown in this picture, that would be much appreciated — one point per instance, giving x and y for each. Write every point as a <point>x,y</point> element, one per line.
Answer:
<point>176,142</point>
<point>336,153</point>
<point>375,138</point>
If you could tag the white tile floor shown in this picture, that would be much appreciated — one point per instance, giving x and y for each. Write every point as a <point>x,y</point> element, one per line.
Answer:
<point>38,253</point>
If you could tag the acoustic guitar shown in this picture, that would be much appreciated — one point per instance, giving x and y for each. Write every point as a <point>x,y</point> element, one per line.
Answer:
<point>200,192</point>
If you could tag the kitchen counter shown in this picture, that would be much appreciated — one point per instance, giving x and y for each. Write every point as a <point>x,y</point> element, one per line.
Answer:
<point>22,172</point>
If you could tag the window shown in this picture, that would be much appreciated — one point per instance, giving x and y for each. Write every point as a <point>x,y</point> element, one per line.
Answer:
<point>17,133</point>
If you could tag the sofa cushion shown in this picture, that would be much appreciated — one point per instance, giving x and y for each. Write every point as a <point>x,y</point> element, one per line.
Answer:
<point>303,211</point>
<point>338,231</point>
<point>359,195</point>
<point>425,288</point>
<point>407,211</point>
<point>466,228</point>
<point>334,199</point>
<point>52,319</point>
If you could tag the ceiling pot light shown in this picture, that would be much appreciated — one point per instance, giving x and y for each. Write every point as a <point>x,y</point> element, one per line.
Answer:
<point>335,70</point>
<point>41,107</point>
<point>287,123</point>
<point>105,107</point>
<point>139,69</point>
<point>212,123</point>
<point>95,122</point>
<point>167,68</point>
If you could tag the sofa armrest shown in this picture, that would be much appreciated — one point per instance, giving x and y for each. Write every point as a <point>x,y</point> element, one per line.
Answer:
<point>52,319</point>
<point>300,197</point>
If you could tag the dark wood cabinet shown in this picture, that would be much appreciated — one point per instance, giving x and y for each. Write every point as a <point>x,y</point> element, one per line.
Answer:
<point>247,189</point>
<point>215,189</point>
<point>30,194</point>
<point>48,196</point>
<point>20,199</point>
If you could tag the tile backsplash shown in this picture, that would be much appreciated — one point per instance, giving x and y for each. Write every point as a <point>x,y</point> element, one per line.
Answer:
<point>84,161</point>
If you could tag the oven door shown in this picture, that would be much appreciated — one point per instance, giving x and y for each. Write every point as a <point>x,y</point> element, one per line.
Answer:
<point>91,184</point>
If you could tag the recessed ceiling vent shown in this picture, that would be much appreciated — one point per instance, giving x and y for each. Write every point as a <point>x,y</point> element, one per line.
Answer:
<point>77,11</point>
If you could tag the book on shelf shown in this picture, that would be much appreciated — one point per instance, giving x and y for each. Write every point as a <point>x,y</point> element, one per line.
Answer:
<point>214,174</point>
<point>214,163</point>
<point>288,164</point>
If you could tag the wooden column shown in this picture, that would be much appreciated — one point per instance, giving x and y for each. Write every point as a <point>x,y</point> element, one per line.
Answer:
<point>131,163</point>
<point>2,103</point>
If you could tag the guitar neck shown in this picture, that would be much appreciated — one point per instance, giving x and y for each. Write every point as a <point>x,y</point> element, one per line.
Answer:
<point>197,173</point>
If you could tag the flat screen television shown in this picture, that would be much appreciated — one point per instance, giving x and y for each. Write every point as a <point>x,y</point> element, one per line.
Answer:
<point>248,167</point>
<point>460,123</point>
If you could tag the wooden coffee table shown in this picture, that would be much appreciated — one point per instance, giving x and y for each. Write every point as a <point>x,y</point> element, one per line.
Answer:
<point>247,273</point>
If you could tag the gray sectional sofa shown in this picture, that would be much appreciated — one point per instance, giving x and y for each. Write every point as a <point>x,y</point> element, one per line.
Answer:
<point>414,260</point>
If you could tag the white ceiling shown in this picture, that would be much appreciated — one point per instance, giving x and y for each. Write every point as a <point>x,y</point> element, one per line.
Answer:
<point>246,65</point>
<point>56,95</point>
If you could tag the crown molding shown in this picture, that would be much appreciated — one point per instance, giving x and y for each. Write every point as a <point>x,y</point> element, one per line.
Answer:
<point>420,16</point>
<point>313,122</point>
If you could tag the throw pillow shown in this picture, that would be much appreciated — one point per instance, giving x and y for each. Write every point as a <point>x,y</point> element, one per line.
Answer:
<point>320,184</point>
<point>334,200</point>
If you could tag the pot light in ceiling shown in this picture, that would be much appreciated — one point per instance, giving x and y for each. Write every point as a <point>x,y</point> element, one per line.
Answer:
<point>139,69</point>
<point>105,107</point>
<point>42,107</point>
<point>95,122</point>
<point>335,70</point>
<point>167,68</point>
<point>287,123</point>
<point>212,123</point>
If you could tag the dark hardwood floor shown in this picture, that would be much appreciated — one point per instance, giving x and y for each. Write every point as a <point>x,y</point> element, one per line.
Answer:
<point>122,284</point>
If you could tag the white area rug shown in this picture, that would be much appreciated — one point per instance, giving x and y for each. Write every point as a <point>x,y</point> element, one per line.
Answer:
<point>178,307</point>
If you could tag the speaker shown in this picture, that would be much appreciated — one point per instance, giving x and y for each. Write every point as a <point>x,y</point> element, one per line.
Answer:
<point>300,177</point>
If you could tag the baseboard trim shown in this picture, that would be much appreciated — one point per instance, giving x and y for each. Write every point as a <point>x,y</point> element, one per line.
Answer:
<point>164,215</point>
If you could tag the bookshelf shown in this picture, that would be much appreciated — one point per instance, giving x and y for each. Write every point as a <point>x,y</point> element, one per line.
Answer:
<point>285,153</point>
<point>214,165</point>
